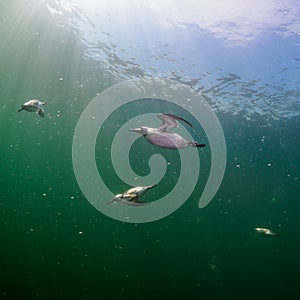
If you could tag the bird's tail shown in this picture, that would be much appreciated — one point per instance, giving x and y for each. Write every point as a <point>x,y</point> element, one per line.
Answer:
<point>195,144</point>
<point>20,109</point>
<point>275,233</point>
<point>199,145</point>
<point>114,200</point>
<point>152,186</point>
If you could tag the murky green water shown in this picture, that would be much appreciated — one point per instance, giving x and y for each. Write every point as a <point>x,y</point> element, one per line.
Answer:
<point>55,244</point>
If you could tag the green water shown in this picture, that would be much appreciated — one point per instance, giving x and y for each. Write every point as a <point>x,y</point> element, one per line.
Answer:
<point>56,245</point>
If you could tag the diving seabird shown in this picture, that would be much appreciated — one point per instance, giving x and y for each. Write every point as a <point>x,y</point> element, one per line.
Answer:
<point>161,137</point>
<point>265,231</point>
<point>33,106</point>
<point>132,196</point>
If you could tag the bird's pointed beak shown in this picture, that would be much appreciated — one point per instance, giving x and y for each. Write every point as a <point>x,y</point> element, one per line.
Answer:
<point>137,130</point>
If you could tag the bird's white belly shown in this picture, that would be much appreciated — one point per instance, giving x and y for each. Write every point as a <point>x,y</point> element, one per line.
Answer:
<point>167,140</point>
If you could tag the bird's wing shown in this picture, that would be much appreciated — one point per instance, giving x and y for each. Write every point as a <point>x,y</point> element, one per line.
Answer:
<point>143,189</point>
<point>135,203</point>
<point>148,187</point>
<point>32,102</point>
<point>170,121</point>
<point>40,111</point>
<point>129,199</point>
<point>136,199</point>
<point>130,191</point>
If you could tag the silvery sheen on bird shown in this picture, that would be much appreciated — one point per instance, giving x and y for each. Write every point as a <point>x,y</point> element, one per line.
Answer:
<point>33,106</point>
<point>164,138</point>
<point>132,196</point>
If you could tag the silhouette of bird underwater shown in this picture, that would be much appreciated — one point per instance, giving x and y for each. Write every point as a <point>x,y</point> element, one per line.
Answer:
<point>164,138</point>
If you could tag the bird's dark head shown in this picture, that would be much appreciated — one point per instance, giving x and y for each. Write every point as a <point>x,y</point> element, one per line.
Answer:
<point>140,130</point>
